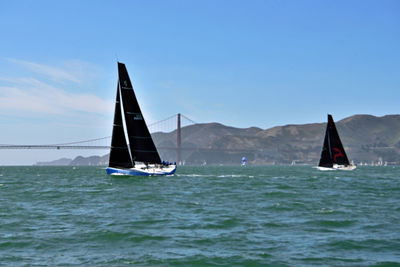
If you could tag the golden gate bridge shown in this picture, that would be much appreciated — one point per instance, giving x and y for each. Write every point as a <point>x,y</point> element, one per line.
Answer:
<point>172,123</point>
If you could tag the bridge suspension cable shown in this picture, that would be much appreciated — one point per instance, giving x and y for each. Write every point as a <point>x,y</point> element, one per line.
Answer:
<point>84,144</point>
<point>81,142</point>
<point>160,121</point>
<point>192,121</point>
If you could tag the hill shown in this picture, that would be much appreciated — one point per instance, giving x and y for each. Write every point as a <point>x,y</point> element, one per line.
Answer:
<point>366,138</point>
<point>58,162</point>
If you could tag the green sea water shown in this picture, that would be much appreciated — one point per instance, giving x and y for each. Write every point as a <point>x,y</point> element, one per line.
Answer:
<point>202,216</point>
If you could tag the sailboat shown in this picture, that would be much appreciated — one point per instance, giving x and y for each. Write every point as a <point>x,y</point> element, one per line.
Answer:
<point>244,161</point>
<point>333,156</point>
<point>132,148</point>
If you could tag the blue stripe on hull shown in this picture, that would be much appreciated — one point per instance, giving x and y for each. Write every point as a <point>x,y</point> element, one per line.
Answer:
<point>133,172</point>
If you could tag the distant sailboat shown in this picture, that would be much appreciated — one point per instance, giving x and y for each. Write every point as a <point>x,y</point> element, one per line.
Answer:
<point>333,156</point>
<point>135,155</point>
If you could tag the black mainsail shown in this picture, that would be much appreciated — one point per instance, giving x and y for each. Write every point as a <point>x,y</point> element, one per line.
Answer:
<point>141,145</point>
<point>332,151</point>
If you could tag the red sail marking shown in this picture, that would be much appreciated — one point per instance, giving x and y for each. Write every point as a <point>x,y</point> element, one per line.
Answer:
<point>338,153</point>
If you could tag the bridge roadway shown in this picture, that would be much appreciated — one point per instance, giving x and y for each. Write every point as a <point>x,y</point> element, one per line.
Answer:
<point>51,147</point>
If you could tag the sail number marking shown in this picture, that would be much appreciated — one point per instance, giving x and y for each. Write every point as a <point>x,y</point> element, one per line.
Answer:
<point>338,153</point>
<point>136,116</point>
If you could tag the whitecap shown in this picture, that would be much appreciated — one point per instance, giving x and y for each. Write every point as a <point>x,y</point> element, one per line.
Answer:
<point>326,210</point>
<point>230,175</point>
<point>193,175</point>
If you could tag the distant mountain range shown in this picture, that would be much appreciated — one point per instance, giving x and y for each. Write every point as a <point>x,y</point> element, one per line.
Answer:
<point>78,161</point>
<point>366,138</point>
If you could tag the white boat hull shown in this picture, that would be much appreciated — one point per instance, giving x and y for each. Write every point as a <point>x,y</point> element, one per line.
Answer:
<point>337,167</point>
<point>143,170</point>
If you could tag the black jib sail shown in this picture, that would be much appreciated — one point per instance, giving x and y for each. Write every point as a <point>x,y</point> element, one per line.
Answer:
<point>119,153</point>
<point>332,151</point>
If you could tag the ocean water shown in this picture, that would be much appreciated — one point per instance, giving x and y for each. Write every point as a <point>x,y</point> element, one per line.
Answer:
<point>202,216</point>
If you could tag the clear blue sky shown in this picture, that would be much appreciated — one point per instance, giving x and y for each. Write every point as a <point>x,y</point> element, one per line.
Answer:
<point>240,63</point>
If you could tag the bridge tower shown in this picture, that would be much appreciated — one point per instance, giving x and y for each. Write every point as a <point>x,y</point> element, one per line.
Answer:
<point>178,140</point>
